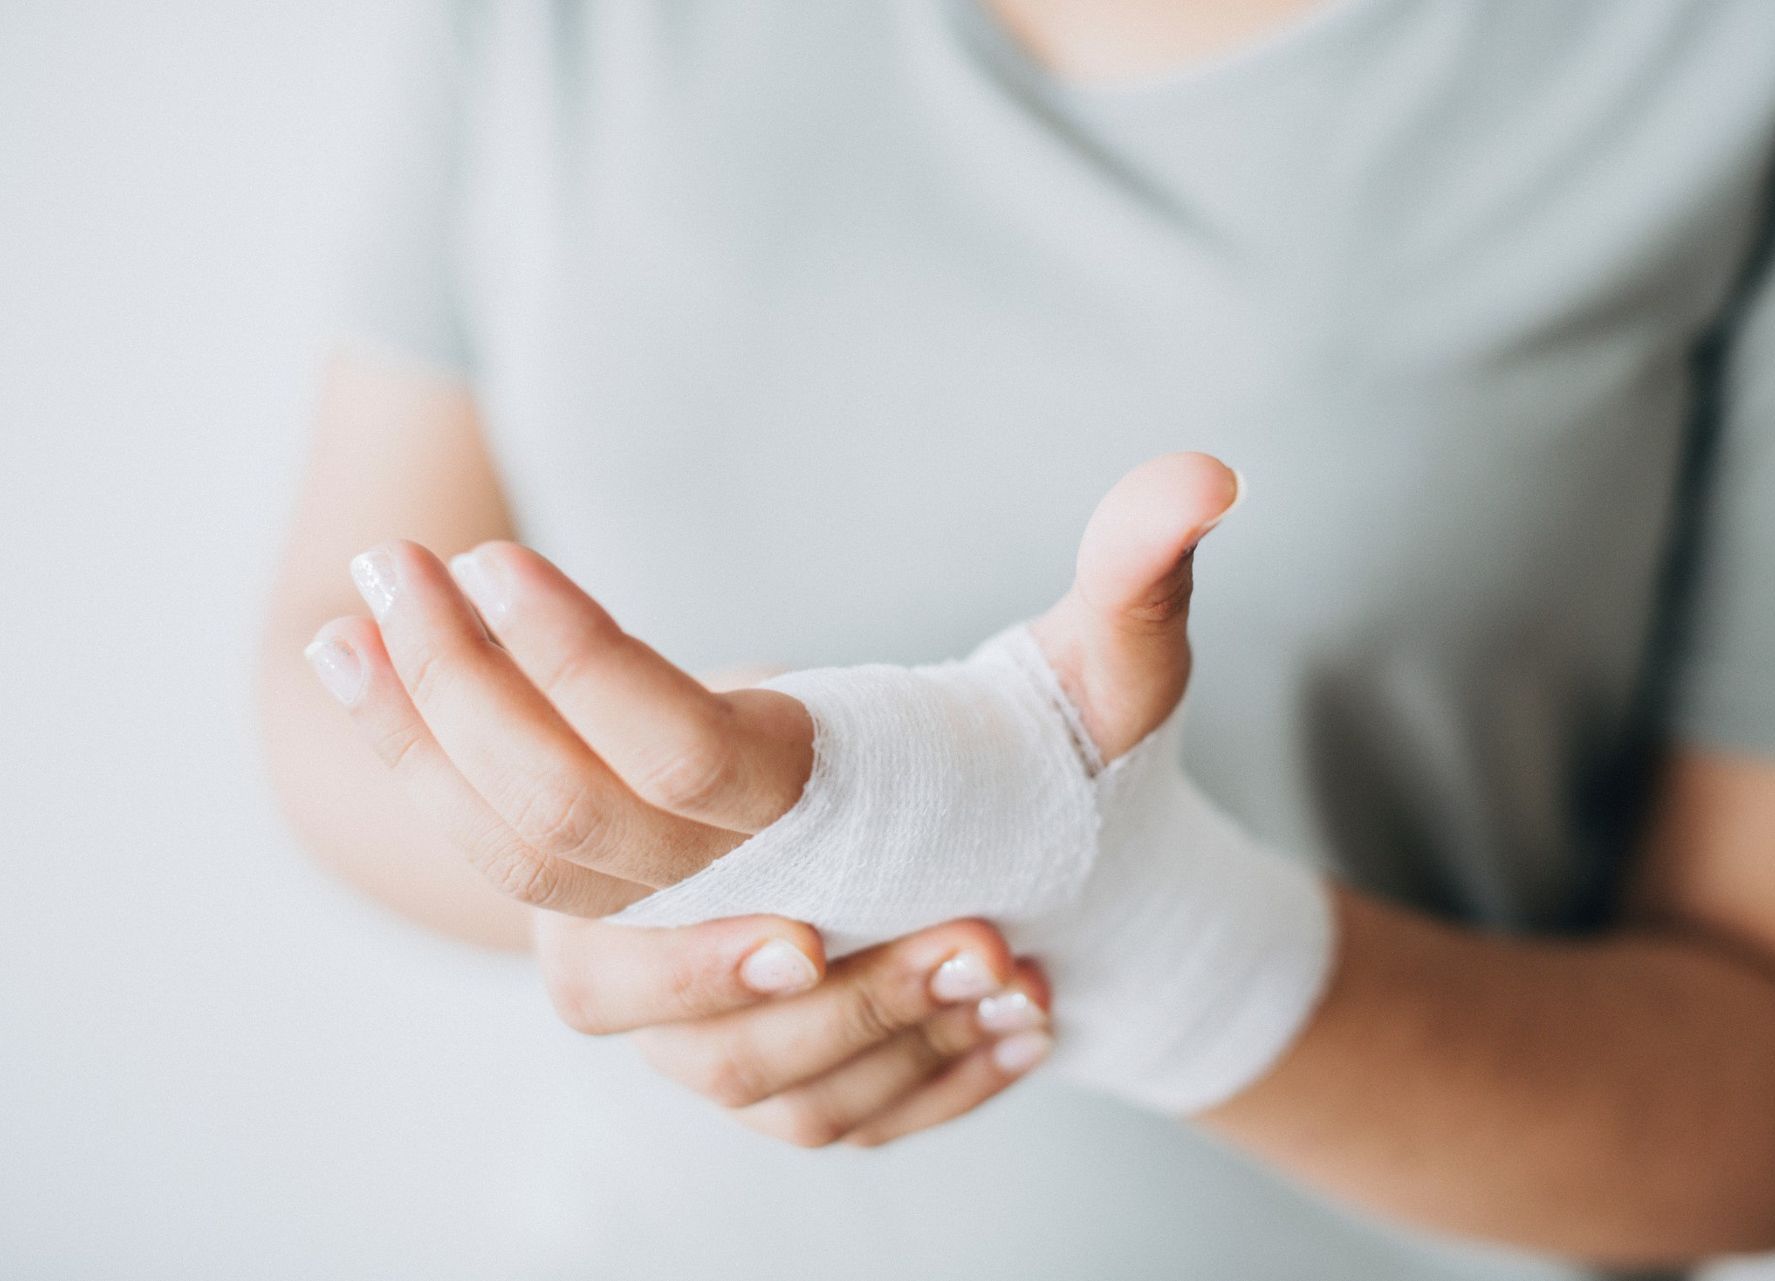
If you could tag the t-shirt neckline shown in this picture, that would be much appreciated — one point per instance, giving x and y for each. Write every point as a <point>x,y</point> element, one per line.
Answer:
<point>1252,59</point>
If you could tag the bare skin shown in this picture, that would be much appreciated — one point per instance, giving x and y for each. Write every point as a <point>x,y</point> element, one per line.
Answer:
<point>397,451</point>
<point>394,453</point>
<point>1122,41</point>
<point>1607,1098</point>
<point>1611,1098</point>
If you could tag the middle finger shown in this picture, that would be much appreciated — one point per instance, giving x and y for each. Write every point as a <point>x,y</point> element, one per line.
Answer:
<point>506,740</point>
<point>830,1107</point>
<point>739,1058</point>
<point>737,761</point>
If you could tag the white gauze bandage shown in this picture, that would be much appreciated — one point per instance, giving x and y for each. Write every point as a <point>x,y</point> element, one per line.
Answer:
<point>1184,956</point>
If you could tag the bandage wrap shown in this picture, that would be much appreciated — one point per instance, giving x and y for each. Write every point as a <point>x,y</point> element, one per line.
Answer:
<point>1183,956</point>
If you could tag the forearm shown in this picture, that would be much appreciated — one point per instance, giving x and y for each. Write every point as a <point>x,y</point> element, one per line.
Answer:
<point>353,818</point>
<point>1612,1099</point>
<point>394,451</point>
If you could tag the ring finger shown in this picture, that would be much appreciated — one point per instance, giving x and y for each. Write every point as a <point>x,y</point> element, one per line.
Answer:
<point>830,1107</point>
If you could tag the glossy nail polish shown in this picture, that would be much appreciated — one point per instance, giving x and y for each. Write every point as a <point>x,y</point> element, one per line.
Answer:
<point>963,977</point>
<point>376,580</point>
<point>483,582</point>
<point>1010,1011</point>
<point>778,968</point>
<point>1015,1055</point>
<point>339,668</point>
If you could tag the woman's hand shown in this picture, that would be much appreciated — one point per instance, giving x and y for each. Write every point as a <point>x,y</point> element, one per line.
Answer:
<point>492,740</point>
<point>577,767</point>
<point>896,1039</point>
<point>570,762</point>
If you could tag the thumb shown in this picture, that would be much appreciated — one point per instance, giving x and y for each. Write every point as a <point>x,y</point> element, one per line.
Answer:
<point>1118,640</point>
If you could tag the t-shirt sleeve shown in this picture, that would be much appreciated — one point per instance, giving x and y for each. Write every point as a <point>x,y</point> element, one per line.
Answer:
<point>398,293</point>
<point>1724,694</point>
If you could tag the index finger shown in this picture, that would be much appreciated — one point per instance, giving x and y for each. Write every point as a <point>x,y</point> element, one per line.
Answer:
<point>508,742</point>
<point>735,761</point>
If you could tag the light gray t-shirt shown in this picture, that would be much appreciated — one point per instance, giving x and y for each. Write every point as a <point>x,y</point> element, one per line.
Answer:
<point>810,333</point>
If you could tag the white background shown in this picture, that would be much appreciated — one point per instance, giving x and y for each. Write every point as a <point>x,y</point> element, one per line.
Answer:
<point>213,1063</point>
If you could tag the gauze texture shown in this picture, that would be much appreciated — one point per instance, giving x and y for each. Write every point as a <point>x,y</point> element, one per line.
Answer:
<point>940,791</point>
<point>1183,956</point>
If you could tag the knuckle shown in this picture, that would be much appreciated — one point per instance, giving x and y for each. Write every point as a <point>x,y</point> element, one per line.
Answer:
<point>693,984</point>
<point>576,1003</point>
<point>871,1013</point>
<point>690,775</point>
<point>809,1124</point>
<point>576,998</point>
<point>530,880</point>
<point>428,673</point>
<point>733,1078</point>
<point>571,660</point>
<point>559,817</point>
<point>937,1040</point>
<point>1169,600</point>
<point>394,746</point>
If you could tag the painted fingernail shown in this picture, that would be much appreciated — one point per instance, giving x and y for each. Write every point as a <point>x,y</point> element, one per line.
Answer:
<point>484,582</point>
<point>1010,1011</point>
<point>339,668</point>
<point>376,580</point>
<point>778,968</point>
<point>963,977</point>
<point>1015,1055</point>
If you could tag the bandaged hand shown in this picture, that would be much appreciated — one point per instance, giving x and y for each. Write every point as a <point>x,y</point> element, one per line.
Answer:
<point>1035,783</point>
<point>1038,783</point>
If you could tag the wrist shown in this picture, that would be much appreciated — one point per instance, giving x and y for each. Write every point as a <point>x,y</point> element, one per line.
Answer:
<point>1197,955</point>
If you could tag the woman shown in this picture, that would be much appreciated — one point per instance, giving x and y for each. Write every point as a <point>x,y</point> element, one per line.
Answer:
<point>809,335</point>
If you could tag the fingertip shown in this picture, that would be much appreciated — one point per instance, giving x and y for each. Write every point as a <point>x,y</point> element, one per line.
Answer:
<point>334,629</point>
<point>1022,1005</point>
<point>513,557</point>
<point>778,957</point>
<point>777,967</point>
<point>402,552</point>
<point>1149,521</point>
<point>1193,482</point>
<point>485,582</point>
<point>973,936</point>
<point>1017,1054</point>
<point>507,548</point>
<point>1032,979</point>
<point>1241,488</point>
<point>345,655</point>
<point>803,936</point>
<point>807,938</point>
<point>515,577</point>
<point>500,555</point>
<point>354,629</point>
<point>975,960</point>
<point>398,569</point>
